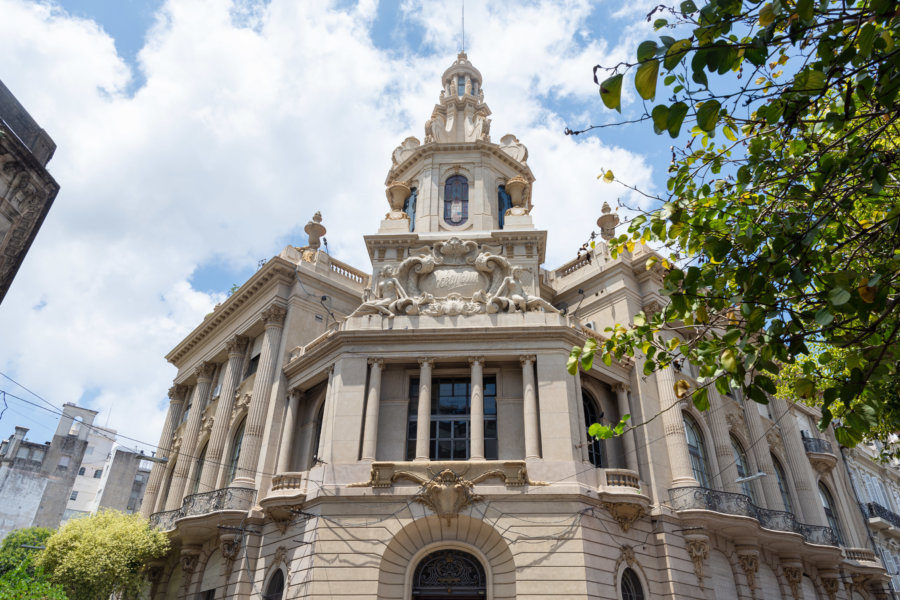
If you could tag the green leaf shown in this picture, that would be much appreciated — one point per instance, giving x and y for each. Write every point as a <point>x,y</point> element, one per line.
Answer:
<point>611,92</point>
<point>676,52</point>
<point>708,115</point>
<point>681,388</point>
<point>646,49</point>
<point>804,387</point>
<point>805,9</point>
<point>700,398</point>
<point>659,24</point>
<point>675,118</point>
<point>766,15</point>
<point>729,362</point>
<point>645,79</point>
<point>688,7</point>
<point>824,317</point>
<point>572,362</point>
<point>838,296</point>
<point>660,115</point>
<point>765,383</point>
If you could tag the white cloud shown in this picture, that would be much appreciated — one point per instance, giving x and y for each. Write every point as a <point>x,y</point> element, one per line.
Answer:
<point>252,117</point>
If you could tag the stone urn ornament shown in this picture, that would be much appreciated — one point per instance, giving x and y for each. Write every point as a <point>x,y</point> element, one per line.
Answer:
<point>397,193</point>
<point>516,188</point>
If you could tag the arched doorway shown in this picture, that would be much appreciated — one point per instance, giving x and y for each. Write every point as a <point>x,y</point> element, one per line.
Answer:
<point>449,573</point>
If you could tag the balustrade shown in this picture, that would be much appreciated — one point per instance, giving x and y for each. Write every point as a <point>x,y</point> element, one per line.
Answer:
<point>233,499</point>
<point>873,510</point>
<point>817,445</point>
<point>699,498</point>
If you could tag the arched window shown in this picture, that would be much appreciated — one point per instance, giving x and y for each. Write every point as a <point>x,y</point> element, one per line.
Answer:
<point>504,203</point>
<point>593,414</point>
<point>782,485</point>
<point>697,450</point>
<point>235,452</point>
<point>460,85</point>
<point>449,573</point>
<point>743,468</point>
<point>631,586</point>
<point>456,200</point>
<point>275,589</point>
<point>198,468</point>
<point>409,207</point>
<point>831,512</point>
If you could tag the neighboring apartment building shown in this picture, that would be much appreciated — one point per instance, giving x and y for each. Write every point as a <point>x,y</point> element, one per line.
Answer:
<point>26,188</point>
<point>877,486</point>
<point>36,479</point>
<point>109,477</point>
<point>427,442</point>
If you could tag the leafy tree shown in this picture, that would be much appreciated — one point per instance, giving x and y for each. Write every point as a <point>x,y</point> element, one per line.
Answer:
<point>782,211</point>
<point>94,557</point>
<point>12,553</point>
<point>23,583</point>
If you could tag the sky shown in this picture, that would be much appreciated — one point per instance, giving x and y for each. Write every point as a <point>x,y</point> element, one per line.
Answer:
<point>197,137</point>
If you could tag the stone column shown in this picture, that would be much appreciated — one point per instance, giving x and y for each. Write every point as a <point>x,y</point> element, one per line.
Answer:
<point>801,472</point>
<point>423,424</point>
<point>721,439</point>
<point>373,406</point>
<point>630,448</point>
<point>287,436</point>
<point>176,401</point>
<point>530,408</point>
<point>204,375</point>
<point>248,463</point>
<point>673,426</point>
<point>476,420</point>
<point>763,457</point>
<point>232,377</point>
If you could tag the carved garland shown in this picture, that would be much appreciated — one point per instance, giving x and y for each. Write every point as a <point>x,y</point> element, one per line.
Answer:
<point>793,575</point>
<point>750,565</point>
<point>698,550</point>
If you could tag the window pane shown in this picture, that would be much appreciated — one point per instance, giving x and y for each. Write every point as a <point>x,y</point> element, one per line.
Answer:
<point>490,428</point>
<point>490,449</point>
<point>460,429</point>
<point>444,449</point>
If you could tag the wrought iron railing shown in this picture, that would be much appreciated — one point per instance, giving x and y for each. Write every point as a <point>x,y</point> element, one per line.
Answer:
<point>817,445</point>
<point>699,498</point>
<point>164,521</point>
<point>873,510</point>
<point>239,499</point>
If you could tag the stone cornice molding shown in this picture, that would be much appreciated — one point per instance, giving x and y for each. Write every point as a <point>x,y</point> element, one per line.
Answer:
<point>399,172</point>
<point>276,271</point>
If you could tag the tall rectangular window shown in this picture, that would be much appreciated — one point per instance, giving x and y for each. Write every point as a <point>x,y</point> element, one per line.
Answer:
<point>450,432</point>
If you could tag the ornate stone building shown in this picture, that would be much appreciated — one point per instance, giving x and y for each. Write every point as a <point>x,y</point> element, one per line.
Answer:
<point>427,441</point>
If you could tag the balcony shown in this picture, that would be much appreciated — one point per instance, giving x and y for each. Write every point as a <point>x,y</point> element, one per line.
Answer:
<point>620,493</point>
<point>726,503</point>
<point>219,504</point>
<point>820,453</point>
<point>880,517</point>
<point>287,493</point>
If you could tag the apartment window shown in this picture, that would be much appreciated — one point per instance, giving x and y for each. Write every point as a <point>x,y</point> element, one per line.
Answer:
<point>743,468</point>
<point>631,586</point>
<point>593,414</point>
<point>450,432</point>
<point>73,496</point>
<point>456,200</point>
<point>275,589</point>
<point>782,485</point>
<point>22,453</point>
<point>89,451</point>
<point>236,451</point>
<point>63,463</point>
<point>697,451</point>
<point>98,473</point>
<point>255,352</point>
<point>217,390</point>
<point>81,471</point>
<point>198,468</point>
<point>831,512</point>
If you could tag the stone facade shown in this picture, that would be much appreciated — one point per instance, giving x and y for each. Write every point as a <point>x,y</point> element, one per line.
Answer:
<point>415,433</point>
<point>26,188</point>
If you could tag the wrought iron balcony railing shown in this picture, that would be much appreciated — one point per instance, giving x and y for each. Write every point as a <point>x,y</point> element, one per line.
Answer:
<point>817,445</point>
<point>237,499</point>
<point>699,498</point>
<point>875,510</point>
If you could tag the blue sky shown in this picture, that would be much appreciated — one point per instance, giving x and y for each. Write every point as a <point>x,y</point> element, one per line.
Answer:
<point>197,137</point>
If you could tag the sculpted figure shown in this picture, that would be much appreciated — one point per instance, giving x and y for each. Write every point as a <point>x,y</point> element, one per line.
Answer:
<point>512,296</point>
<point>386,297</point>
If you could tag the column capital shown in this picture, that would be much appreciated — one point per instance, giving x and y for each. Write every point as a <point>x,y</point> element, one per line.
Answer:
<point>204,371</point>
<point>274,315</point>
<point>527,358</point>
<point>376,361</point>
<point>236,345</point>
<point>177,392</point>
<point>620,387</point>
<point>296,393</point>
<point>426,361</point>
<point>476,359</point>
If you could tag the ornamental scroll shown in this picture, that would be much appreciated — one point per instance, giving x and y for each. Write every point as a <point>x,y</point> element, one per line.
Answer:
<point>451,278</point>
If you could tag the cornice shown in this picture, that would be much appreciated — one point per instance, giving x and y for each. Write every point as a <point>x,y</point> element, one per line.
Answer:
<point>276,270</point>
<point>426,150</point>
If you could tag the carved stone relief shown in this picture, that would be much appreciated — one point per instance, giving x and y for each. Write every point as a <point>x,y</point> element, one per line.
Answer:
<point>793,575</point>
<point>511,145</point>
<point>404,150</point>
<point>831,585</point>
<point>750,565</point>
<point>698,550</point>
<point>451,278</point>
<point>624,513</point>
